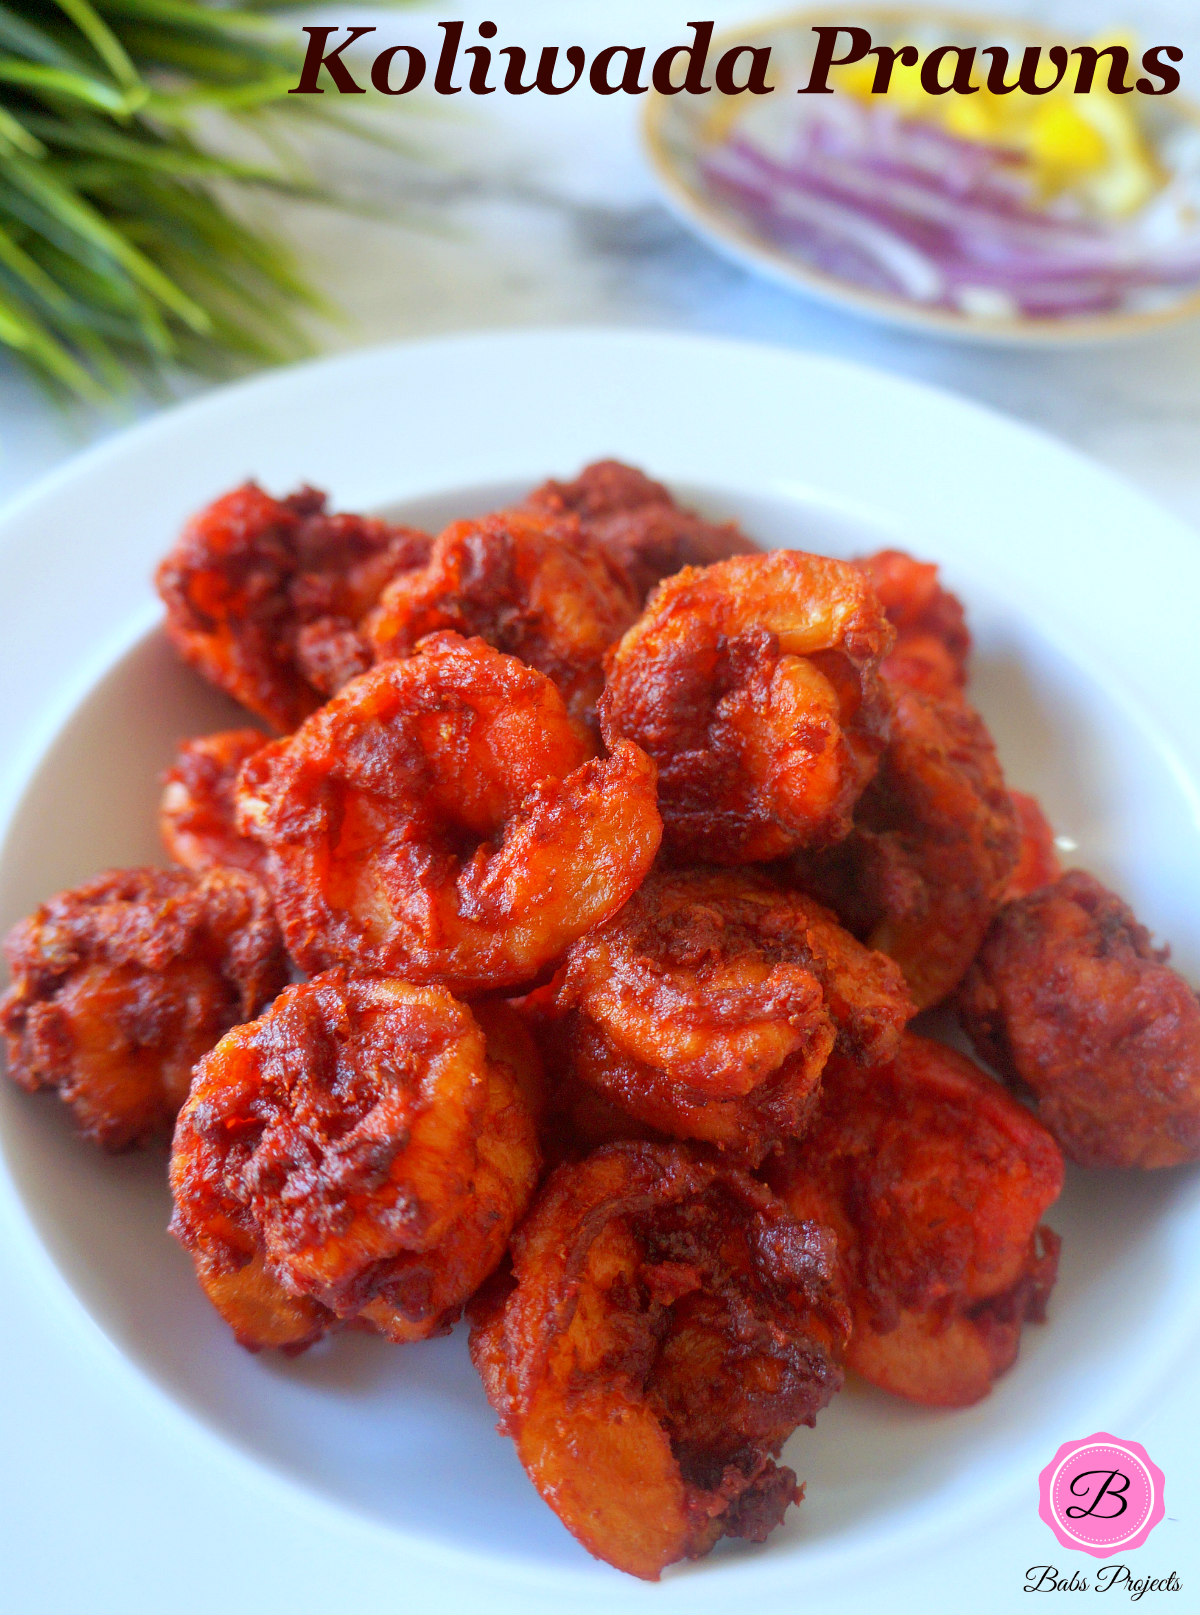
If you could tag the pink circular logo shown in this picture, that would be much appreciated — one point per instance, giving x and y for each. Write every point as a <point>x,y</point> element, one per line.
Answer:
<point>1101,1495</point>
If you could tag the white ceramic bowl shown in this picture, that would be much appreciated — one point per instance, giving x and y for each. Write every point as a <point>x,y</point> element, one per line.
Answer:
<point>380,1464</point>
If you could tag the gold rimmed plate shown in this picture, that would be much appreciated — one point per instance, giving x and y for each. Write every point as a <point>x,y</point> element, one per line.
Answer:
<point>683,133</point>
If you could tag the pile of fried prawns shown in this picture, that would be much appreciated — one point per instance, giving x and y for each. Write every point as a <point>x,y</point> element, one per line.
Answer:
<point>548,949</point>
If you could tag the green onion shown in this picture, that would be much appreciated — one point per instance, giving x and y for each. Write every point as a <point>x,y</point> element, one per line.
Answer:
<point>121,257</point>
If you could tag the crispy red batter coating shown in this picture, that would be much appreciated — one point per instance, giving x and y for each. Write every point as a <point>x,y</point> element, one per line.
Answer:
<point>936,836</point>
<point>932,641</point>
<point>579,1117</point>
<point>1038,863</point>
<point>639,523</point>
<point>934,845</point>
<point>647,1102</point>
<point>358,1154</point>
<point>669,1326</point>
<point>935,1181</point>
<point>1070,998</point>
<point>753,685</point>
<point>122,984</point>
<point>708,1006</point>
<point>441,819</point>
<point>264,595</point>
<point>197,815</point>
<point>574,1118</point>
<point>531,585</point>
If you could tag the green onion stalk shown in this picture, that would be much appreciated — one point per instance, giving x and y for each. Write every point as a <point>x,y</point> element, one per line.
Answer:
<point>124,255</point>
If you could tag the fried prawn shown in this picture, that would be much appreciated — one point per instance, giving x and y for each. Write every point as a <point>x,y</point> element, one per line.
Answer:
<point>934,845</point>
<point>120,985</point>
<point>533,586</point>
<point>358,1154</point>
<point>753,684</point>
<point>198,815</point>
<point>1037,863</point>
<point>936,1182</point>
<point>1070,1000</point>
<point>667,1327</point>
<point>708,1006</point>
<point>637,522</point>
<point>264,596</point>
<point>442,819</point>
<point>932,641</point>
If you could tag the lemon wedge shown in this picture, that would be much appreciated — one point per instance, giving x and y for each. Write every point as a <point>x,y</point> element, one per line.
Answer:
<point>1089,148</point>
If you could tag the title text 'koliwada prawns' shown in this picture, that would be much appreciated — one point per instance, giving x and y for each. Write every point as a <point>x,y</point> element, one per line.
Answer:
<point>358,1154</point>
<point>708,1006</point>
<point>936,1182</point>
<point>1070,1000</point>
<point>533,586</point>
<point>264,596</point>
<point>753,684</point>
<point>197,816</point>
<point>119,986</point>
<point>639,523</point>
<point>667,1326</point>
<point>442,819</point>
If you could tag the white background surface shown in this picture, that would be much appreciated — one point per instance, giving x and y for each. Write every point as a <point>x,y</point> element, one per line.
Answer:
<point>544,215</point>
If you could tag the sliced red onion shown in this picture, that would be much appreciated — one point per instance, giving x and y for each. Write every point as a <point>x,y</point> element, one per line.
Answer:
<point>901,206</point>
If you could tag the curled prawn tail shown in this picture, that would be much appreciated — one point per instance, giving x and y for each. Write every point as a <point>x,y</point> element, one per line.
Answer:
<point>754,684</point>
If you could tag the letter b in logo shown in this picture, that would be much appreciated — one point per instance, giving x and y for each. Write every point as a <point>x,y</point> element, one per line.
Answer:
<point>1101,1495</point>
<point>1096,1485</point>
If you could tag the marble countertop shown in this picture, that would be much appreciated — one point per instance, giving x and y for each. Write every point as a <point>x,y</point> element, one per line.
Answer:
<point>532,211</point>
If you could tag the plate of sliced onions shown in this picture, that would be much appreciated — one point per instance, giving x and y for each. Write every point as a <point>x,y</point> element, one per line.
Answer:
<point>1045,217</point>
